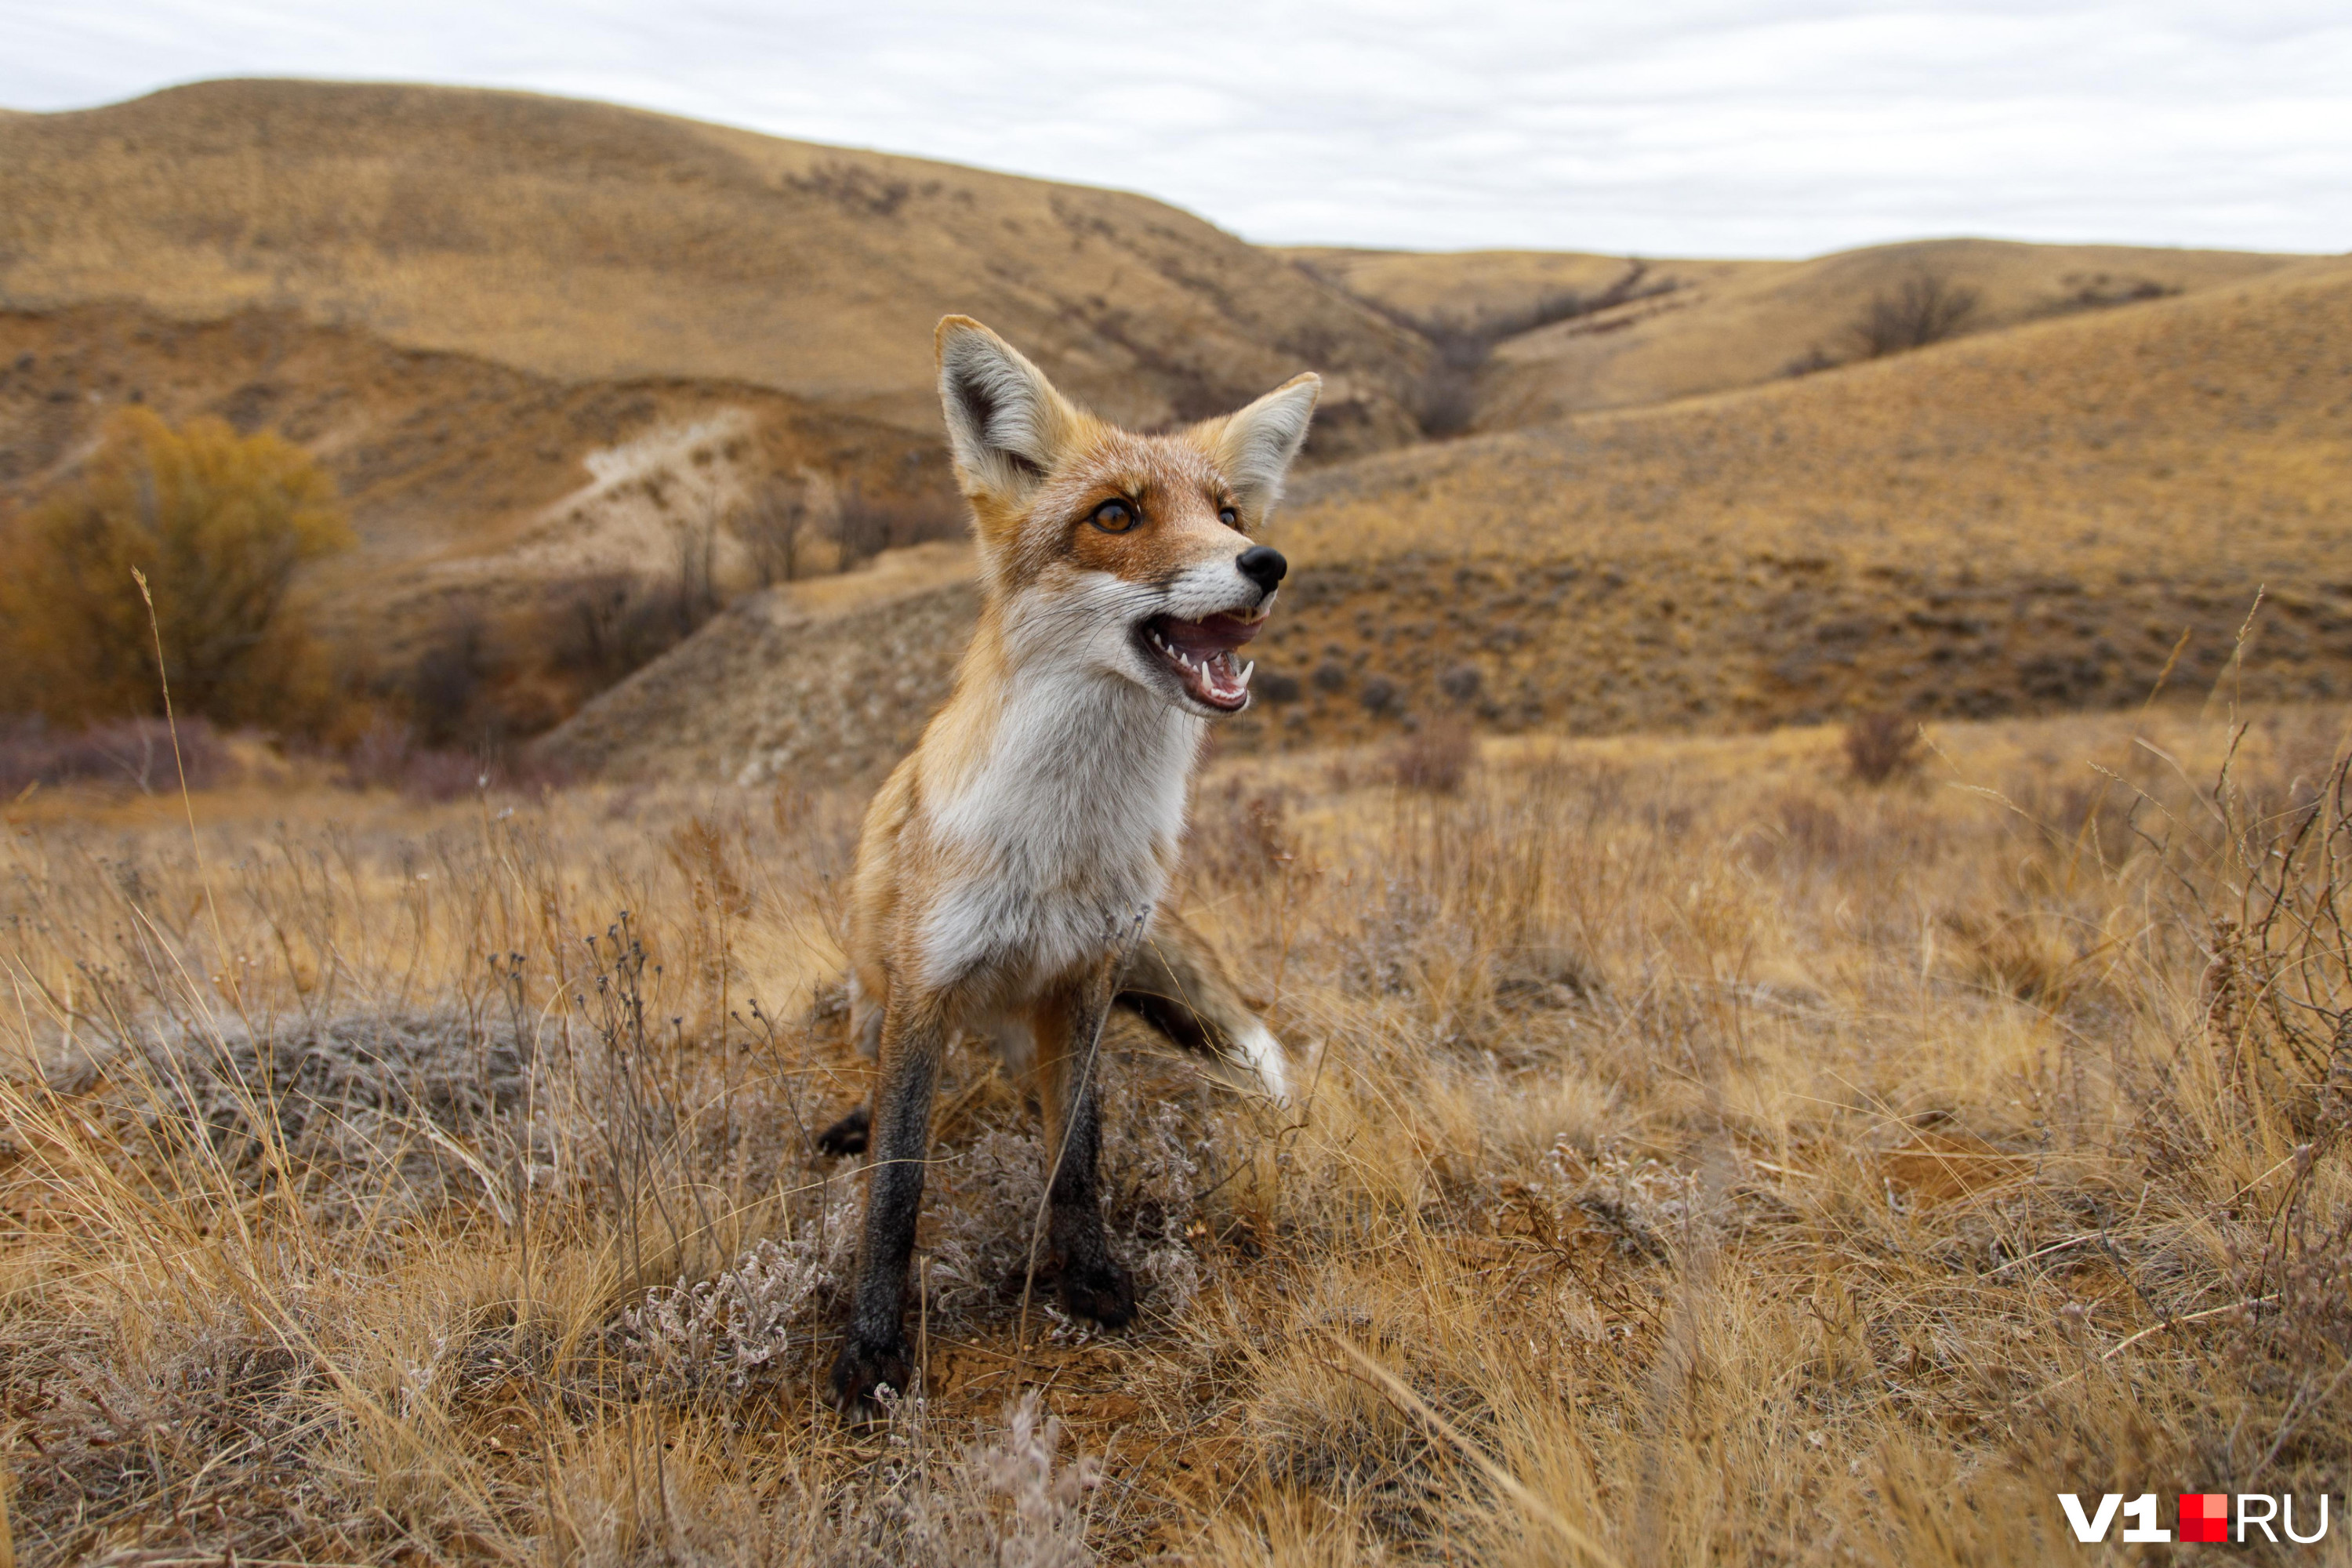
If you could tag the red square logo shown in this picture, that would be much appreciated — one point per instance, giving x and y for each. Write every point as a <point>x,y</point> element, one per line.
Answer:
<point>2204,1516</point>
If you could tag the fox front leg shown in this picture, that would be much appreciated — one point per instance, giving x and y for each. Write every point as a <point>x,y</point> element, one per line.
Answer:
<point>875,1350</point>
<point>1068,1025</point>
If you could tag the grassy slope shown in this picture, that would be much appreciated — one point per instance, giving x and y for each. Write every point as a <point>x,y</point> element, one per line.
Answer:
<point>2030,518</point>
<point>1964,531</point>
<point>1757,1167</point>
<point>581,240</point>
<point>1476,287</point>
<point>1735,323</point>
<point>456,468</point>
<point>2211,427</point>
<point>2026,520</point>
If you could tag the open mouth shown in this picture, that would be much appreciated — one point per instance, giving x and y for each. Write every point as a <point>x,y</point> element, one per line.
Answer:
<point>1201,656</point>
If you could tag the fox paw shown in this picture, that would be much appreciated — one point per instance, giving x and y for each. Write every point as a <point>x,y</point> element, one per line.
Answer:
<point>846,1136</point>
<point>1103,1293</point>
<point>861,1369</point>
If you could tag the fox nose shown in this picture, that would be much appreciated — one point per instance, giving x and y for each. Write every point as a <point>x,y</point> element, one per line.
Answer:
<point>1261,565</point>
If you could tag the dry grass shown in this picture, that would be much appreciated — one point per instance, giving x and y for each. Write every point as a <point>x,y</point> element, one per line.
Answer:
<point>1726,324</point>
<point>1704,1158</point>
<point>1743,325</point>
<point>1479,286</point>
<point>574,239</point>
<point>455,298</point>
<point>463,478</point>
<point>2023,521</point>
<point>2208,427</point>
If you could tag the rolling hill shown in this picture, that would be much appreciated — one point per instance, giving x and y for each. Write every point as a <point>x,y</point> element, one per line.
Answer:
<point>540,343</point>
<point>2041,518</point>
<point>1695,327</point>
<point>575,240</point>
<point>472,485</point>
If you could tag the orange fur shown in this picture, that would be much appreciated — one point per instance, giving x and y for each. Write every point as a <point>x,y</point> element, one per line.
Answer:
<point>1010,867</point>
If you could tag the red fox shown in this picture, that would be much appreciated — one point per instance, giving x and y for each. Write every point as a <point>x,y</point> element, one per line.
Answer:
<point>1011,871</point>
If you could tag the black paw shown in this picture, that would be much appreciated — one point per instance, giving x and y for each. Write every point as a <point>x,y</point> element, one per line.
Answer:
<point>1103,1293</point>
<point>846,1136</point>
<point>861,1369</point>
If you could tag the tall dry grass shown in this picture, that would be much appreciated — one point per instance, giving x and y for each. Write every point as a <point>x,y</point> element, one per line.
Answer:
<point>1702,1158</point>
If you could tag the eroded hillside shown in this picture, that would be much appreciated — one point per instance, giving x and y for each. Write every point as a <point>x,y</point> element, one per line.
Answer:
<point>542,344</point>
<point>2037,520</point>
<point>467,480</point>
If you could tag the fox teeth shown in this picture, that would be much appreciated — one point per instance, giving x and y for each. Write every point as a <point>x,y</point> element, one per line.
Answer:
<point>1243,679</point>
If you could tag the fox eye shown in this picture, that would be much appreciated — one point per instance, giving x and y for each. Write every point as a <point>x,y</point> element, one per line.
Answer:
<point>1114,517</point>
<point>1229,517</point>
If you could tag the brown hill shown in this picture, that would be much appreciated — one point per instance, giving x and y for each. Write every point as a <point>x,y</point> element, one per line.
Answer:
<point>578,240</point>
<point>826,681</point>
<point>1486,287</point>
<point>465,478</point>
<point>541,342</point>
<point>1693,327</point>
<point>2210,427</point>
<point>2026,521</point>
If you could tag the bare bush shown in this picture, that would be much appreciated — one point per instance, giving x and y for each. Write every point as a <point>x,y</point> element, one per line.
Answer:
<point>1880,746</point>
<point>2100,291</point>
<point>775,529</point>
<point>445,686</point>
<point>2280,1007</point>
<point>1437,757</point>
<point>135,753</point>
<point>1812,362</point>
<point>608,628</point>
<point>1276,687</point>
<point>867,523</point>
<point>1445,403</point>
<point>1927,308</point>
<point>388,756</point>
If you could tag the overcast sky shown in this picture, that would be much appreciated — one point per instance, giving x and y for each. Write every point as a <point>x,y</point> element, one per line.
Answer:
<point>1690,128</point>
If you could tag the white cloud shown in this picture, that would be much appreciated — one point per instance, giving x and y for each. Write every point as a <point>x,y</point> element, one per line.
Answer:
<point>1692,128</point>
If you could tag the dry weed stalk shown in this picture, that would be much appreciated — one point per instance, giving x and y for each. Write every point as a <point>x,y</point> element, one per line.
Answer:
<point>1714,1161</point>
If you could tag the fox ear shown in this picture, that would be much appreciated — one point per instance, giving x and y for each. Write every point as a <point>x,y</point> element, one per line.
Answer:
<point>1256,446</point>
<point>1006,425</point>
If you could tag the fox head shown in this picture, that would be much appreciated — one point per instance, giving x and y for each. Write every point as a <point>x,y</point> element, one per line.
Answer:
<point>1113,553</point>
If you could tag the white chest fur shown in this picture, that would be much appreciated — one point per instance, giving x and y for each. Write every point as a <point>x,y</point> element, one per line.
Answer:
<point>1061,836</point>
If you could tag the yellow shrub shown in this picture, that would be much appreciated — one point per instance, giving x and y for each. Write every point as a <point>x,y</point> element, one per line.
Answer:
<point>219,523</point>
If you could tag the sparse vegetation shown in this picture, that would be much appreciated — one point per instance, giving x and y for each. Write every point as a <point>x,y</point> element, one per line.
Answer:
<point>1436,756</point>
<point>1650,1190</point>
<point>776,527</point>
<point>407,1148</point>
<point>1812,362</point>
<point>1880,746</point>
<point>218,524</point>
<point>1447,401</point>
<point>1926,307</point>
<point>131,753</point>
<point>2102,291</point>
<point>868,522</point>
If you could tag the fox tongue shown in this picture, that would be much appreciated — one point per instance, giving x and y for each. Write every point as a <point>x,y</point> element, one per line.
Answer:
<point>1202,638</point>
